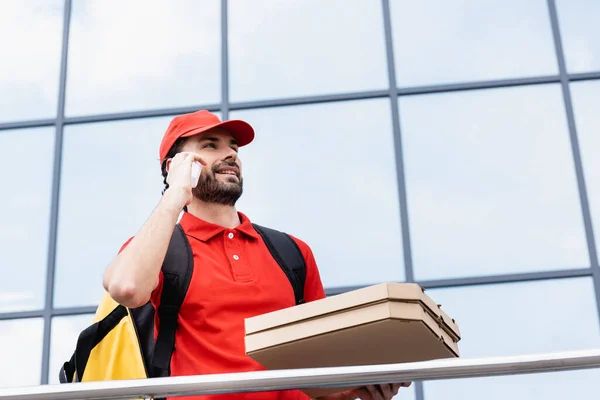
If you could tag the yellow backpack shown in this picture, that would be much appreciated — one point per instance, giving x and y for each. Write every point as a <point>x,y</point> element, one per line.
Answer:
<point>120,344</point>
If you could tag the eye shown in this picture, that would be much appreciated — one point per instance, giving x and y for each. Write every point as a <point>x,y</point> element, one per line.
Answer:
<point>209,145</point>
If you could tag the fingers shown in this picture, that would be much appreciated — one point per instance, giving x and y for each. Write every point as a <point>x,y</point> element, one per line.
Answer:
<point>188,157</point>
<point>374,393</point>
<point>387,391</point>
<point>381,392</point>
<point>197,157</point>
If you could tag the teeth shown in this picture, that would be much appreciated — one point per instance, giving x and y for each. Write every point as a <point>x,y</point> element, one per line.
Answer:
<point>227,172</point>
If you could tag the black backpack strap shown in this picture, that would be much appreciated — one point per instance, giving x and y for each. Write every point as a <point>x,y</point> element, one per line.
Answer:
<point>177,272</point>
<point>72,370</point>
<point>289,257</point>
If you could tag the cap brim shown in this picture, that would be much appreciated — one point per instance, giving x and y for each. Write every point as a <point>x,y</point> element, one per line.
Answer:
<point>240,130</point>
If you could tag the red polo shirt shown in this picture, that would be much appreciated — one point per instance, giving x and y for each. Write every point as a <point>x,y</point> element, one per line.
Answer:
<point>235,277</point>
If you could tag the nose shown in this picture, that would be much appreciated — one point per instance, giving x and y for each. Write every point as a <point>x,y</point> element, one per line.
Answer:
<point>230,155</point>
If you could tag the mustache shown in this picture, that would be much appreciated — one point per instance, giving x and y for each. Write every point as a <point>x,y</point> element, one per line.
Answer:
<point>215,168</point>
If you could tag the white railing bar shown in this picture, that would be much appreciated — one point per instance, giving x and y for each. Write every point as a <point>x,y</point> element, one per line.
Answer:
<point>311,377</point>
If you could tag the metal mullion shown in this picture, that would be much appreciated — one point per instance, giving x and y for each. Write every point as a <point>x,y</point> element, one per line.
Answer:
<point>283,102</point>
<point>39,123</point>
<point>365,95</point>
<point>478,85</point>
<point>21,314</point>
<point>485,280</point>
<point>161,112</point>
<point>399,158</point>
<point>295,101</point>
<point>224,61</point>
<point>61,312</point>
<point>393,93</point>
<point>507,278</point>
<point>585,208</point>
<point>584,76</point>
<point>52,236</point>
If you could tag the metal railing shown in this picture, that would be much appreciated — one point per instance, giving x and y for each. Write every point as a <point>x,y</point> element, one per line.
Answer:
<point>309,378</point>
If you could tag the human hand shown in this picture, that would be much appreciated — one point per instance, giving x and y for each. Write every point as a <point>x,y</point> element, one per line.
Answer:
<point>179,193</point>
<point>371,392</point>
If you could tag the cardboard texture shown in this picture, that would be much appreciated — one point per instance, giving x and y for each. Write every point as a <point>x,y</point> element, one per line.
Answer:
<point>380,324</point>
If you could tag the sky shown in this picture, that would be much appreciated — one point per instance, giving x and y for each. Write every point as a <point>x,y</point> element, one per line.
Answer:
<point>490,179</point>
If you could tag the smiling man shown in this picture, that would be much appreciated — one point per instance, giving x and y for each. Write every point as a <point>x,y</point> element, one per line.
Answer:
<point>234,275</point>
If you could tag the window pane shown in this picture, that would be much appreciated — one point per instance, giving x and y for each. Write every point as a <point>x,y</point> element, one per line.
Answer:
<point>440,41</point>
<point>65,332</point>
<point>490,183</point>
<point>580,34</point>
<point>21,349</point>
<point>143,54</point>
<point>522,318</point>
<point>111,180</point>
<point>585,103</point>
<point>308,173</point>
<point>25,216</point>
<point>31,48</point>
<point>298,48</point>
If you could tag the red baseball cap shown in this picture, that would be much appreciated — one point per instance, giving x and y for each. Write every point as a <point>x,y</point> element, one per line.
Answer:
<point>200,121</point>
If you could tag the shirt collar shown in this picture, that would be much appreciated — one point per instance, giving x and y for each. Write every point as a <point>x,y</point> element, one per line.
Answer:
<point>204,231</point>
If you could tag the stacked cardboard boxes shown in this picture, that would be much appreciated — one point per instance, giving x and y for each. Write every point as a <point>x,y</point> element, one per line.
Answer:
<point>380,324</point>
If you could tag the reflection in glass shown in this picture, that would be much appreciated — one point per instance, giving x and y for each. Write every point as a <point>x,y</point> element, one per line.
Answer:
<point>111,182</point>
<point>326,174</point>
<point>580,34</point>
<point>25,215</point>
<point>298,48</point>
<point>440,41</point>
<point>31,49</point>
<point>63,339</point>
<point>21,350</point>
<point>490,183</point>
<point>585,103</point>
<point>170,56</point>
<point>516,319</point>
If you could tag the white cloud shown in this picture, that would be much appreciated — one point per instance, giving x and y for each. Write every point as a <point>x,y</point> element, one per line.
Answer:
<point>490,183</point>
<point>21,350</point>
<point>438,41</point>
<point>6,298</point>
<point>25,215</point>
<point>31,34</point>
<point>296,48</point>
<point>143,54</point>
<point>521,318</point>
<point>580,34</point>
<point>329,180</point>
<point>585,99</point>
<point>121,180</point>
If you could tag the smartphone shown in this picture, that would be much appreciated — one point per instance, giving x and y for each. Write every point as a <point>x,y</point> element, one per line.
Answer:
<point>196,169</point>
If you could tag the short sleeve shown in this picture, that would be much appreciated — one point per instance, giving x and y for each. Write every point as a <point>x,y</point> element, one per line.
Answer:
<point>313,288</point>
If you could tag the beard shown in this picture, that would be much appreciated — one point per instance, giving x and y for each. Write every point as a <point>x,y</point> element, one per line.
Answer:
<point>212,190</point>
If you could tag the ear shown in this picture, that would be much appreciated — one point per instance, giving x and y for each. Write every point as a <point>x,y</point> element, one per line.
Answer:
<point>168,165</point>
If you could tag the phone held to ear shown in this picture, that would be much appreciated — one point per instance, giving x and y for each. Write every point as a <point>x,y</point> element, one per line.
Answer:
<point>196,168</point>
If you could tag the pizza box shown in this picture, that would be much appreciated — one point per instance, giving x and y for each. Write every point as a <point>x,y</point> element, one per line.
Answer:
<point>380,324</point>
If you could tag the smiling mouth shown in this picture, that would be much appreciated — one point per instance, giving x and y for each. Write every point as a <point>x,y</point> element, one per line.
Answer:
<point>227,173</point>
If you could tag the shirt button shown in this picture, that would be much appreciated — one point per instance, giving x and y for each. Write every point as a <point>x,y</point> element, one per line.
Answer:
<point>230,236</point>
<point>236,257</point>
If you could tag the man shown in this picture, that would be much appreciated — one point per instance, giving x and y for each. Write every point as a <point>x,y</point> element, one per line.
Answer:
<point>234,275</point>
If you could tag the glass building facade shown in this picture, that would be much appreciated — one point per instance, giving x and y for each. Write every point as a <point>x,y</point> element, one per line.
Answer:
<point>445,143</point>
